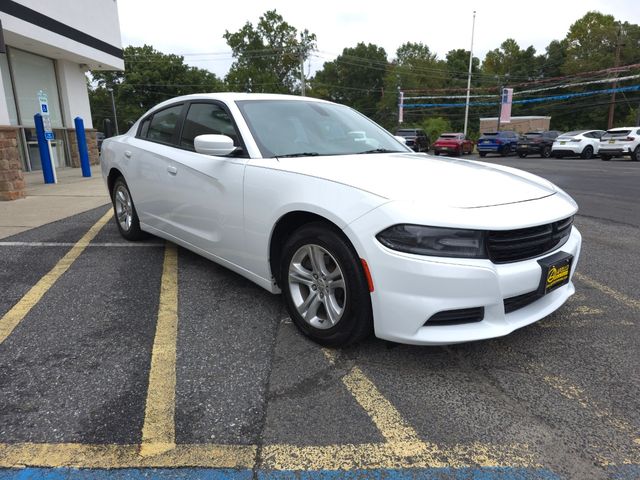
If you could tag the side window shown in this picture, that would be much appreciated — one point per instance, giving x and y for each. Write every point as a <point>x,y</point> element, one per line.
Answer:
<point>206,118</point>
<point>163,124</point>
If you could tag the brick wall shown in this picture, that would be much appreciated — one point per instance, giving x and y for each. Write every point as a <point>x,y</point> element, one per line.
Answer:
<point>92,146</point>
<point>12,184</point>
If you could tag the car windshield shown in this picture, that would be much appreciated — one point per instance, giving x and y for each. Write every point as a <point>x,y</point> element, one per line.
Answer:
<point>489,135</point>
<point>298,128</point>
<point>533,134</point>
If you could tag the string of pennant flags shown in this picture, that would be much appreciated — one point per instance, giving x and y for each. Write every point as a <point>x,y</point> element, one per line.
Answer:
<point>566,96</point>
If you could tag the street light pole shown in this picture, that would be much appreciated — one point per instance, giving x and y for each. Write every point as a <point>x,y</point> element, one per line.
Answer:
<point>466,109</point>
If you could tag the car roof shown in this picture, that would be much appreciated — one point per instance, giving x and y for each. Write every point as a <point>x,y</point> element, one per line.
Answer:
<point>235,96</point>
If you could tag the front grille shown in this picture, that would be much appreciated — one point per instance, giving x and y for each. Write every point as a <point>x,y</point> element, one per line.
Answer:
<point>514,245</point>
<point>516,303</point>
<point>456,317</point>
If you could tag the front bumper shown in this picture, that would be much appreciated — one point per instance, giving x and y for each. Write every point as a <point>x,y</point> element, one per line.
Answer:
<point>410,289</point>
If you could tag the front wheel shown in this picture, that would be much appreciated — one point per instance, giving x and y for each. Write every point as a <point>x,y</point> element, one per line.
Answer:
<point>546,152</point>
<point>125,211</point>
<point>324,286</point>
<point>635,155</point>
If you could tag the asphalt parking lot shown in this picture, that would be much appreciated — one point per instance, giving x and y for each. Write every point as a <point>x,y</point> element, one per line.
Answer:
<point>151,360</point>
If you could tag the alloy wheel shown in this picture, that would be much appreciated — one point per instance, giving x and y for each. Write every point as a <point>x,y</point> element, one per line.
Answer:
<point>317,286</point>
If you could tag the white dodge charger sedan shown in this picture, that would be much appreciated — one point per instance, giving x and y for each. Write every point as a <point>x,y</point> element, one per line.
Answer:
<point>359,233</point>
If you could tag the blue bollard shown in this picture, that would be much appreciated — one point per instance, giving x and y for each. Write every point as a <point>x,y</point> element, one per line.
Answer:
<point>82,147</point>
<point>43,146</point>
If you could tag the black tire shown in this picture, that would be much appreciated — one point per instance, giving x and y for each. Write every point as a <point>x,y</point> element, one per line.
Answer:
<point>606,158</point>
<point>545,152</point>
<point>522,155</point>
<point>482,154</point>
<point>587,152</point>
<point>635,155</point>
<point>128,229</point>
<point>356,319</point>
<point>506,150</point>
<point>436,153</point>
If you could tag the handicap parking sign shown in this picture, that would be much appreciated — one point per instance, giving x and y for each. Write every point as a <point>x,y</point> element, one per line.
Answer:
<point>48,135</point>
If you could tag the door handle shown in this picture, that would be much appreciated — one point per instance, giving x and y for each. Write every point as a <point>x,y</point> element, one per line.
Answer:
<point>127,154</point>
<point>172,170</point>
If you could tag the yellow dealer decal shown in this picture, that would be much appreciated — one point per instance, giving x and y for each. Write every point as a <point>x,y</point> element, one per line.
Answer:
<point>557,275</point>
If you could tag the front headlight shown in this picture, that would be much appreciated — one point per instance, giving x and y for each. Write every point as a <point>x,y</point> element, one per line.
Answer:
<point>434,241</point>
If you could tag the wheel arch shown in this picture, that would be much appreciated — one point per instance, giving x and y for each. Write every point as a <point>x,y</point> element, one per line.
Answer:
<point>286,225</point>
<point>114,173</point>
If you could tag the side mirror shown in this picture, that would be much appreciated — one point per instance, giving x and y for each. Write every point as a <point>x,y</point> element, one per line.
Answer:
<point>216,145</point>
<point>402,140</point>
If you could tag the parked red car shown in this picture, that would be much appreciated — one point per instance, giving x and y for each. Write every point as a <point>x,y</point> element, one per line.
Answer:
<point>453,144</point>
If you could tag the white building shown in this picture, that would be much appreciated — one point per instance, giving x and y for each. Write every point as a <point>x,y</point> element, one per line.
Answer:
<point>50,45</point>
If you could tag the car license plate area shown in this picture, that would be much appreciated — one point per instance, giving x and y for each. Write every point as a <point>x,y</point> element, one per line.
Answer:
<point>612,141</point>
<point>563,143</point>
<point>555,272</point>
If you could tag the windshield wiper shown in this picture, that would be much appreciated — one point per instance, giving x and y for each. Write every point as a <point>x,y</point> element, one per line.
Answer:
<point>380,150</point>
<point>299,154</point>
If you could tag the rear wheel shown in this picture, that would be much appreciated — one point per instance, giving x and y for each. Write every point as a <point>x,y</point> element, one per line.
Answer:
<point>324,286</point>
<point>436,153</point>
<point>522,155</point>
<point>125,211</point>
<point>482,154</point>
<point>545,152</point>
<point>587,152</point>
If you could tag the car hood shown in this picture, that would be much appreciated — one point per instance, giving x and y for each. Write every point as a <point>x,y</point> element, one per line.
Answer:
<point>418,177</point>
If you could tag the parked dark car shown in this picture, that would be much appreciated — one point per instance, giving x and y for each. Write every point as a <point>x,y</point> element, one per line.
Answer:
<point>503,142</point>
<point>537,142</point>
<point>99,139</point>
<point>452,143</point>
<point>415,138</point>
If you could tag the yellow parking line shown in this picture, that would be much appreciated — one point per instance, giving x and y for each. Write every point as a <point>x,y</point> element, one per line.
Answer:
<point>80,455</point>
<point>619,296</point>
<point>13,317</point>
<point>158,432</point>
<point>577,394</point>
<point>274,457</point>
<point>402,441</point>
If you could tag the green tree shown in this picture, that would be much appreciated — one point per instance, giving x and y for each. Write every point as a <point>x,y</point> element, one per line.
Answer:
<point>149,77</point>
<point>511,61</point>
<point>354,78</point>
<point>268,55</point>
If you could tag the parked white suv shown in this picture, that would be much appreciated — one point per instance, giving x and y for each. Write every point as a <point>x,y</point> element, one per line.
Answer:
<point>580,142</point>
<point>618,142</point>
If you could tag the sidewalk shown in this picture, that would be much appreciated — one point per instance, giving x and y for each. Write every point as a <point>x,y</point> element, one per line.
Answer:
<point>47,203</point>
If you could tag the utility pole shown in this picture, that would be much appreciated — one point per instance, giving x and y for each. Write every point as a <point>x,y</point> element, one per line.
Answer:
<point>466,109</point>
<point>301,54</point>
<point>612,103</point>
<point>113,106</point>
